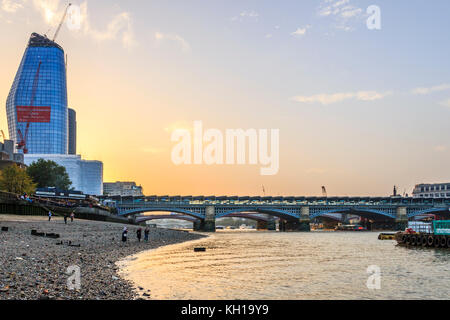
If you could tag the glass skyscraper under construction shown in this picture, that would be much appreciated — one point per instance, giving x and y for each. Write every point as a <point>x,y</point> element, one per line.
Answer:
<point>38,118</point>
<point>37,103</point>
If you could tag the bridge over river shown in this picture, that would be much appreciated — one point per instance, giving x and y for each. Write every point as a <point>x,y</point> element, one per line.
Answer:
<point>293,213</point>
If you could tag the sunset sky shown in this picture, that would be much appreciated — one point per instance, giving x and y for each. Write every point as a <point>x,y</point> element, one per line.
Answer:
<point>358,110</point>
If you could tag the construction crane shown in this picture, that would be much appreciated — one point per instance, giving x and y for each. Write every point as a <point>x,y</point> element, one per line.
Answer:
<point>324,192</point>
<point>22,144</point>
<point>61,23</point>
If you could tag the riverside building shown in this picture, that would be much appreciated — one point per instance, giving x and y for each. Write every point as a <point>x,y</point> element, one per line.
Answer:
<point>123,189</point>
<point>7,155</point>
<point>436,190</point>
<point>86,176</point>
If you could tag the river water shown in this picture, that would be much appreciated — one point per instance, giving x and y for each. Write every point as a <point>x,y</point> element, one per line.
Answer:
<point>295,266</point>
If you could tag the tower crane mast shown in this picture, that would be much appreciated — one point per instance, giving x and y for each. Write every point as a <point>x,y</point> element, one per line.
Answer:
<point>61,23</point>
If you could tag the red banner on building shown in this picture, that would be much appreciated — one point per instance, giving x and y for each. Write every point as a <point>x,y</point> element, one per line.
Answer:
<point>33,114</point>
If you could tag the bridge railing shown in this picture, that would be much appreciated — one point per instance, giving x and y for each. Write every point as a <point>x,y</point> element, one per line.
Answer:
<point>290,202</point>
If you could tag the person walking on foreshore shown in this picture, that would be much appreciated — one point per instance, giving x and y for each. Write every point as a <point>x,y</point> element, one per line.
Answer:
<point>72,216</point>
<point>49,215</point>
<point>124,234</point>
<point>65,218</point>
<point>139,234</point>
<point>146,232</point>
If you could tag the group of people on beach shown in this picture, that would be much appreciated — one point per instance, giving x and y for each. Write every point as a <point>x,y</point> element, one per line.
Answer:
<point>138,234</point>
<point>124,232</point>
<point>72,217</point>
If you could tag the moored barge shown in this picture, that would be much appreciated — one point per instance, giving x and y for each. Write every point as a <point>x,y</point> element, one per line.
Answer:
<point>435,235</point>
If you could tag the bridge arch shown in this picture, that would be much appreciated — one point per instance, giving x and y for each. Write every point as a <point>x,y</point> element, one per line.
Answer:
<point>327,212</point>
<point>413,213</point>
<point>165,217</point>
<point>162,209</point>
<point>244,216</point>
<point>273,212</point>
<point>362,212</point>
<point>332,216</point>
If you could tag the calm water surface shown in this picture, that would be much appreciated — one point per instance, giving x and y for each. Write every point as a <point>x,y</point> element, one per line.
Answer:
<point>270,265</point>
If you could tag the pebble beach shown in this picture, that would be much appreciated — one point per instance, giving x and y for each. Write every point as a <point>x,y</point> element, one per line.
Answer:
<point>36,268</point>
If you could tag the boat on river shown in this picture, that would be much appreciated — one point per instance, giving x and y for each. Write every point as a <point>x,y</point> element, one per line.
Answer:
<point>433,235</point>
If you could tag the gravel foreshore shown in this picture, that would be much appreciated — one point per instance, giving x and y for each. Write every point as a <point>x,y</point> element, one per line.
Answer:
<point>35,268</point>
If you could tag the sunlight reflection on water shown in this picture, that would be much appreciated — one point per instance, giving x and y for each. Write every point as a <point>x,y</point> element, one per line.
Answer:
<point>270,265</point>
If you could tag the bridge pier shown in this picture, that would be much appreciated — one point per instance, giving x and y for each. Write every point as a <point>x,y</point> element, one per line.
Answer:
<point>401,221</point>
<point>199,225</point>
<point>270,224</point>
<point>305,220</point>
<point>282,225</point>
<point>302,225</point>
<point>132,219</point>
<point>261,225</point>
<point>209,223</point>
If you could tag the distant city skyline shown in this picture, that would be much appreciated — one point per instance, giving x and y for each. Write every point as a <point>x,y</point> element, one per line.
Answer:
<point>358,110</point>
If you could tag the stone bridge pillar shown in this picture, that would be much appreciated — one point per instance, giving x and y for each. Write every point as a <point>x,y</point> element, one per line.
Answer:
<point>261,225</point>
<point>270,224</point>
<point>401,220</point>
<point>303,223</point>
<point>209,223</point>
<point>282,225</point>
<point>210,219</point>
<point>132,219</point>
<point>344,217</point>
<point>198,225</point>
<point>305,220</point>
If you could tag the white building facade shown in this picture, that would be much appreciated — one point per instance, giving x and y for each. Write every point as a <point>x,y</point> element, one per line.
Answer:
<point>123,189</point>
<point>436,190</point>
<point>86,176</point>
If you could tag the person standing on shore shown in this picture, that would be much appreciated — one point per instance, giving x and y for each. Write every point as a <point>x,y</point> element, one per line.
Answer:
<point>139,234</point>
<point>65,218</point>
<point>49,215</point>
<point>124,234</point>
<point>146,233</point>
<point>72,216</point>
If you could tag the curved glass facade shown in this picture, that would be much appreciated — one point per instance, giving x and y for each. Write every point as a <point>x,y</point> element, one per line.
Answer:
<point>38,99</point>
